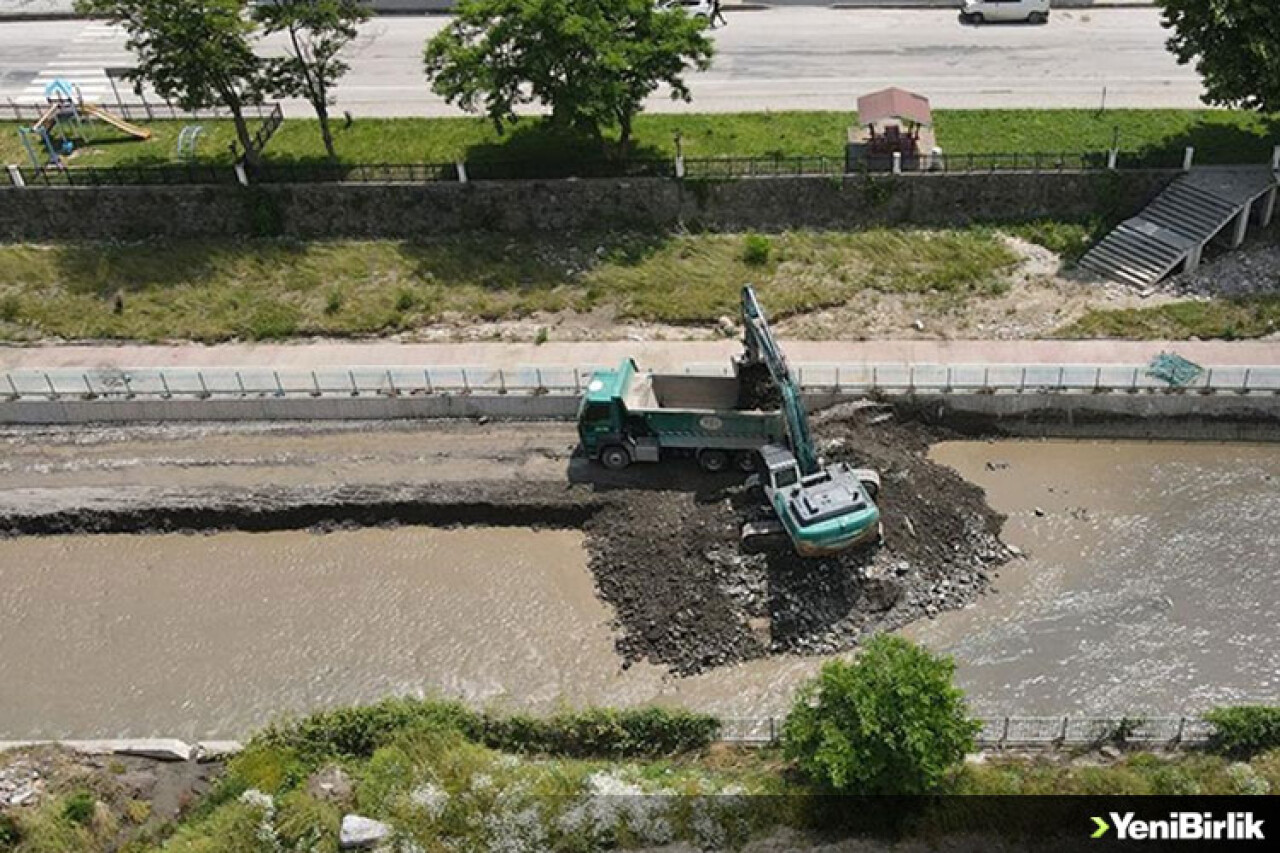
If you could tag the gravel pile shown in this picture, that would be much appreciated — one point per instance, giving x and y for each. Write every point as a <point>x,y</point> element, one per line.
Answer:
<point>688,597</point>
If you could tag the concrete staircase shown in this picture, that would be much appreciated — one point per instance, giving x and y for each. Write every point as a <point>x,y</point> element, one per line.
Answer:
<point>1172,231</point>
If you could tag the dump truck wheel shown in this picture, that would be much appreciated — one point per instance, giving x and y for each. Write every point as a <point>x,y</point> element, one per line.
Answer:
<point>615,458</point>
<point>713,461</point>
<point>746,461</point>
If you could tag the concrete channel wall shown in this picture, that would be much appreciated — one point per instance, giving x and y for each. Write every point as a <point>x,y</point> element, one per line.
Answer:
<point>414,211</point>
<point>1237,403</point>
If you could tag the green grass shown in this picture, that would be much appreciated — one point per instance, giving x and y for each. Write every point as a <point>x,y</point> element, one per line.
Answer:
<point>211,291</point>
<point>1221,136</point>
<point>1247,317</point>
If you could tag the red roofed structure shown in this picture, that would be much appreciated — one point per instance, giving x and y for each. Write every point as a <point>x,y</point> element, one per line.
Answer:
<point>891,121</point>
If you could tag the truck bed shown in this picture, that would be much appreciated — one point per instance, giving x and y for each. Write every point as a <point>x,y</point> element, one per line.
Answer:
<point>690,393</point>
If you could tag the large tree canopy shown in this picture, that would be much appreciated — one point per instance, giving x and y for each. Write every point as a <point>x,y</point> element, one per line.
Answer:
<point>195,52</point>
<point>591,62</point>
<point>1234,44</point>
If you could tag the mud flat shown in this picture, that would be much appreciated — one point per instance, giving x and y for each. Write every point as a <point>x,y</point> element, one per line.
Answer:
<point>1151,583</point>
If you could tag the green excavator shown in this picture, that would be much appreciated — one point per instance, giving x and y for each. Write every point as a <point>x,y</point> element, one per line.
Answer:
<point>823,509</point>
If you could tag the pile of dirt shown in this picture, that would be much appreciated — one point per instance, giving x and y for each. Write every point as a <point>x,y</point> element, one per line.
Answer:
<point>687,596</point>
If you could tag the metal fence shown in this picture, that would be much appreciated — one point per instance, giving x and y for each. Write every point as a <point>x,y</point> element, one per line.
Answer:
<point>1027,732</point>
<point>143,111</point>
<point>228,382</point>
<point>693,169</point>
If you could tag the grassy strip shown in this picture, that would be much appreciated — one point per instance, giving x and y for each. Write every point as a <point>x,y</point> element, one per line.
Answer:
<point>210,291</point>
<point>1228,319</point>
<point>1219,136</point>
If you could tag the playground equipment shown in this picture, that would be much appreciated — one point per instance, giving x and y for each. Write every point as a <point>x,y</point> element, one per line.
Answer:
<point>187,141</point>
<point>63,119</point>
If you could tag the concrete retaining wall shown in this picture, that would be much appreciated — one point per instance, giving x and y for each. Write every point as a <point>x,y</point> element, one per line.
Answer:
<point>408,211</point>
<point>1222,416</point>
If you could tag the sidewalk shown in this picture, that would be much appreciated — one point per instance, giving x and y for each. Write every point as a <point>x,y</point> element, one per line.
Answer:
<point>656,355</point>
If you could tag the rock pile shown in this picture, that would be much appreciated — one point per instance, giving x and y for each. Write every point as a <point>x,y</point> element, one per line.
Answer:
<point>687,596</point>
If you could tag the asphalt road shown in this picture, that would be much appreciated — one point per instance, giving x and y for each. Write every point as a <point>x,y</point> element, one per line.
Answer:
<point>783,58</point>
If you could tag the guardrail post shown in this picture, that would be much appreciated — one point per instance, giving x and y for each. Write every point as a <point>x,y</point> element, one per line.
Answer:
<point>426,373</point>
<point>911,379</point>
<point>897,162</point>
<point>462,172</point>
<point>240,384</point>
<point>875,378</point>
<point>1062,736</point>
<point>279,385</point>
<point>1062,372</point>
<point>315,384</point>
<point>1244,386</point>
<point>947,389</point>
<point>986,379</point>
<point>1097,380</point>
<point>391,383</point>
<point>577,381</point>
<point>1133,386</point>
<point>164,383</point>
<point>537,377</point>
<point>466,386</point>
<point>204,389</point>
<point>1112,156</point>
<point>15,176</point>
<point>128,388</point>
<point>1182,727</point>
<point>1275,159</point>
<point>502,382</point>
<point>13,389</point>
<point>1022,381</point>
<point>1004,733</point>
<point>88,387</point>
<point>241,175</point>
<point>355,389</point>
<point>1208,382</point>
<point>1188,158</point>
<point>838,385</point>
<point>773,730</point>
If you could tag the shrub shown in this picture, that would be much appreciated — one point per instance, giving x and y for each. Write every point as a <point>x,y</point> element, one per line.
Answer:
<point>333,302</point>
<point>637,732</point>
<point>406,300</point>
<point>755,249</point>
<point>78,808</point>
<point>1244,730</point>
<point>357,732</point>
<point>890,722</point>
<point>10,835</point>
<point>10,309</point>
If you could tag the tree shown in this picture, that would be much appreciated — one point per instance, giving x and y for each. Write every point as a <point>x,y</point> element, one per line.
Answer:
<point>592,62</point>
<point>1235,45</point>
<point>891,722</point>
<point>194,52</point>
<point>318,30</point>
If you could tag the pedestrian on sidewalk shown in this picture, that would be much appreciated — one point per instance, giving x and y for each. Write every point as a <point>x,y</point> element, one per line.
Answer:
<point>716,14</point>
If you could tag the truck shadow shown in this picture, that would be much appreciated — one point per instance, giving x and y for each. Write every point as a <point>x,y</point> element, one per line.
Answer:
<point>677,475</point>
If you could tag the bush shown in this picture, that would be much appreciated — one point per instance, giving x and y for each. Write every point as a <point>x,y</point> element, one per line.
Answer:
<point>79,808</point>
<point>358,732</point>
<point>1245,730</point>
<point>641,732</point>
<point>10,835</point>
<point>755,250</point>
<point>10,309</point>
<point>890,722</point>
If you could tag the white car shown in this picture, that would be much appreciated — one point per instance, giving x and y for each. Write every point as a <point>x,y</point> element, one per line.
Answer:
<point>693,8</point>
<point>981,11</point>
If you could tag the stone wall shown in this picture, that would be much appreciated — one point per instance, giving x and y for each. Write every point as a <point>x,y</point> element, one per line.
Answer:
<point>319,211</point>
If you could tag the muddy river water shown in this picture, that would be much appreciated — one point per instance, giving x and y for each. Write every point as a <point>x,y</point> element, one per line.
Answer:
<point>1151,582</point>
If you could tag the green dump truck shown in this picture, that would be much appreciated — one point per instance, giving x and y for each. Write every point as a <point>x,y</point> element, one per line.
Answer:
<point>631,416</point>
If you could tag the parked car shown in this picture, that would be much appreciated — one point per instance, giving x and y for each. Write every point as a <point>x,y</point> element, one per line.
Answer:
<point>981,11</point>
<point>693,8</point>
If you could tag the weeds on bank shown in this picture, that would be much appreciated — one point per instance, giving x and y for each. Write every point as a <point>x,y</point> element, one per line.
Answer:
<point>1228,319</point>
<point>211,291</point>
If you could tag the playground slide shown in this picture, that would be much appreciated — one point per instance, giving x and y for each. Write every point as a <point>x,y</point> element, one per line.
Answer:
<point>48,119</point>
<point>115,121</point>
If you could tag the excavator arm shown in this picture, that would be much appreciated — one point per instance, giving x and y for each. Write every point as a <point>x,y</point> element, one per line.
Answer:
<point>762,347</point>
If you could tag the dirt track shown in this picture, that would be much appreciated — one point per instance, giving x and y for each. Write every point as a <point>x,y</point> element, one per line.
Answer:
<point>663,541</point>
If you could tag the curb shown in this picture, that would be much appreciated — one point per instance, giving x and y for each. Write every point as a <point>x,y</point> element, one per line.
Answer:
<point>160,749</point>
